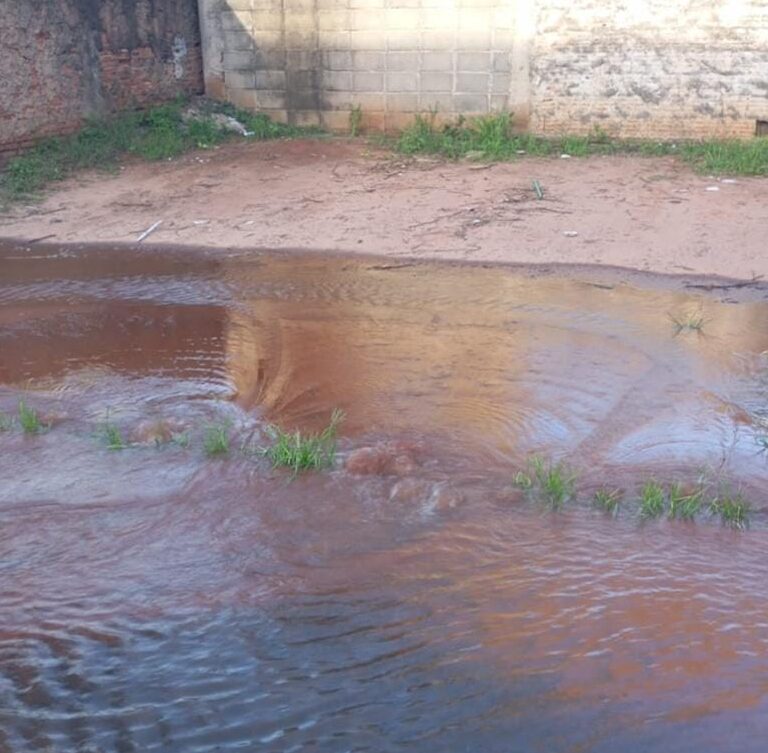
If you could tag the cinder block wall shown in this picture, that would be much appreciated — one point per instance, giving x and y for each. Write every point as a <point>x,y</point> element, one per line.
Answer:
<point>62,61</point>
<point>673,69</point>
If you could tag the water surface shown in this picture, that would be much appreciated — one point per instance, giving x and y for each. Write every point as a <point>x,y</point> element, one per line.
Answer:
<point>156,599</point>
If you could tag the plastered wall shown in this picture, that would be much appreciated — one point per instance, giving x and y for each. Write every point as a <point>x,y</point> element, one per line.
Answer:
<point>680,68</point>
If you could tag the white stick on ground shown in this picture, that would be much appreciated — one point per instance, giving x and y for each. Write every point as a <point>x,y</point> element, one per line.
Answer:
<point>151,229</point>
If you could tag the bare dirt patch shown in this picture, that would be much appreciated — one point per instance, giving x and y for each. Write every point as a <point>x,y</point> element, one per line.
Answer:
<point>651,214</point>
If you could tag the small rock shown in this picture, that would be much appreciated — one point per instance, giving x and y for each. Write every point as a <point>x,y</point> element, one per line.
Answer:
<point>156,431</point>
<point>366,461</point>
<point>384,459</point>
<point>570,233</point>
<point>445,498</point>
<point>52,418</point>
<point>410,491</point>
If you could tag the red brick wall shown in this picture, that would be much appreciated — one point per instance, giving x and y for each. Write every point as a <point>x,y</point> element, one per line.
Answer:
<point>62,61</point>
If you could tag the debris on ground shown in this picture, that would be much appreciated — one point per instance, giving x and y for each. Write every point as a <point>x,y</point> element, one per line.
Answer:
<point>220,119</point>
<point>151,229</point>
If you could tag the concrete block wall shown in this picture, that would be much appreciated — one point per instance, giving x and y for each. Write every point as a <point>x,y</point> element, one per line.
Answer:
<point>680,68</point>
<point>312,61</point>
<point>62,61</point>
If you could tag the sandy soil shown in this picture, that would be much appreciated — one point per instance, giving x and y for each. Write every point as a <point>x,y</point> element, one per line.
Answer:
<point>642,213</point>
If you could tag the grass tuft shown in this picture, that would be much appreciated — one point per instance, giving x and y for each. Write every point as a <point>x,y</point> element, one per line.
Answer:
<point>688,323</point>
<point>553,482</point>
<point>684,504</point>
<point>733,510</point>
<point>29,419</point>
<point>6,422</point>
<point>491,137</point>
<point>303,452</point>
<point>355,120</point>
<point>523,480</point>
<point>111,436</point>
<point>608,500</point>
<point>181,439</point>
<point>652,500</point>
<point>216,439</point>
<point>732,157</point>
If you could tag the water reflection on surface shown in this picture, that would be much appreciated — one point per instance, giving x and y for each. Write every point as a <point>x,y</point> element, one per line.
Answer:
<point>153,599</point>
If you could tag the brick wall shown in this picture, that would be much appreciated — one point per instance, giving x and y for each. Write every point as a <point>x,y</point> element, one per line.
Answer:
<point>632,67</point>
<point>62,61</point>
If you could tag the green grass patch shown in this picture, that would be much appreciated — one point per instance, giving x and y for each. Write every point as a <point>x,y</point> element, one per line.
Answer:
<point>216,440</point>
<point>29,419</point>
<point>109,434</point>
<point>181,439</point>
<point>728,157</point>
<point>304,452</point>
<point>553,483</point>
<point>355,120</point>
<point>652,500</point>
<point>607,500</point>
<point>159,133</point>
<point>684,504</point>
<point>112,437</point>
<point>733,510</point>
<point>492,138</point>
<point>6,422</point>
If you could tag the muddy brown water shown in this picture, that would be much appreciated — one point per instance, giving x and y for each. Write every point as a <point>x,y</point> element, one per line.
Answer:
<point>156,599</point>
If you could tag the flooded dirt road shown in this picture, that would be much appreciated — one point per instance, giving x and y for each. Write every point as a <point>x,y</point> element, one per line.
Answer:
<point>412,598</point>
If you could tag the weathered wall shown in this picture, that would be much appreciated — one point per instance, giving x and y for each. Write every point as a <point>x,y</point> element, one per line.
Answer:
<point>652,68</point>
<point>64,60</point>
<point>676,68</point>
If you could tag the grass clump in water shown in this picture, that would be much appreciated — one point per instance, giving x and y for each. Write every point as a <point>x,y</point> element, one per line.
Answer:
<point>523,481</point>
<point>684,504</point>
<point>29,420</point>
<point>113,438</point>
<point>159,133</point>
<point>608,500</point>
<point>216,440</point>
<point>181,439</point>
<point>652,500</point>
<point>688,323</point>
<point>6,423</point>
<point>554,483</point>
<point>733,510</point>
<point>303,452</point>
<point>110,434</point>
<point>491,137</point>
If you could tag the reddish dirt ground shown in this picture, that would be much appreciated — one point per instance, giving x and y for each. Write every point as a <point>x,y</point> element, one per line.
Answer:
<point>650,214</point>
